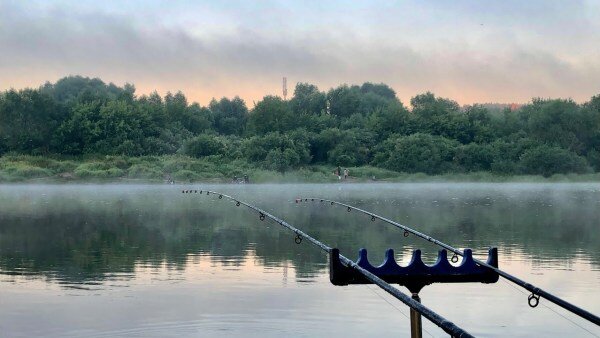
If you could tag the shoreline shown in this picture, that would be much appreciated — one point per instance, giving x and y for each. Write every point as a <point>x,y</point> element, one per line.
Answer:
<point>19,169</point>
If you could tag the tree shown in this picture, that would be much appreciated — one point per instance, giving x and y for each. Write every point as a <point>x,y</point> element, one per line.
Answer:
<point>230,116</point>
<point>111,128</point>
<point>557,122</point>
<point>344,101</point>
<point>197,119</point>
<point>203,145</point>
<point>258,148</point>
<point>417,153</point>
<point>73,89</point>
<point>509,150</point>
<point>443,117</point>
<point>475,157</point>
<point>175,106</point>
<point>380,89</point>
<point>281,160</point>
<point>28,119</point>
<point>393,118</point>
<point>271,114</point>
<point>308,100</point>
<point>547,160</point>
<point>352,148</point>
<point>427,106</point>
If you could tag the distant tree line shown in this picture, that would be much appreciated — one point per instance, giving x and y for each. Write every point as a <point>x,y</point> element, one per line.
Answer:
<point>346,126</point>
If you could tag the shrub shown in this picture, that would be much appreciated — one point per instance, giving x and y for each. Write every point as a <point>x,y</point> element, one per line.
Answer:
<point>417,153</point>
<point>186,175</point>
<point>547,160</point>
<point>144,171</point>
<point>25,171</point>
<point>203,145</point>
<point>98,170</point>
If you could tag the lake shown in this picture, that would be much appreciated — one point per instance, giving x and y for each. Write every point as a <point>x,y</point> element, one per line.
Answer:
<point>147,260</point>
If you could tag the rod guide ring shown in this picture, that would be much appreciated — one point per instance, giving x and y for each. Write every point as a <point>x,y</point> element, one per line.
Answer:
<point>533,300</point>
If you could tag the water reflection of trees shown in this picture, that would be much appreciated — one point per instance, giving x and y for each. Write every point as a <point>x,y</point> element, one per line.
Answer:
<point>80,241</point>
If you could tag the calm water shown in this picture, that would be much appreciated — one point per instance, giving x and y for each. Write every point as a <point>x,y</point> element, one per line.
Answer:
<point>114,260</point>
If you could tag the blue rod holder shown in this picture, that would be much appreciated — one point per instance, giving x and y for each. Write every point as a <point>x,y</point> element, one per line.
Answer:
<point>416,274</point>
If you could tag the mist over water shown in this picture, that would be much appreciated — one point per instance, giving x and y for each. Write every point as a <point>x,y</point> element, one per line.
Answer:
<point>116,260</point>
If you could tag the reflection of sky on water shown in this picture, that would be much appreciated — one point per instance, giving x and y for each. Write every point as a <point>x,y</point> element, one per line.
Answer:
<point>147,260</point>
<point>210,297</point>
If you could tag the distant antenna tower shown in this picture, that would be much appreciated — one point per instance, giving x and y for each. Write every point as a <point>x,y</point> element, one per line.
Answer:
<point>284,88</point>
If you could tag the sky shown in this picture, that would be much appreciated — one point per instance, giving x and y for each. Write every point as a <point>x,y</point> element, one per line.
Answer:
<point>470,51</point>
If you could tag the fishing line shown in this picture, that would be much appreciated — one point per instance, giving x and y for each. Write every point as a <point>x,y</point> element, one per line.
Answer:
<point>448,326</point>
<point>551,309</point>
<point>395,307</point>
<point>536,292</point>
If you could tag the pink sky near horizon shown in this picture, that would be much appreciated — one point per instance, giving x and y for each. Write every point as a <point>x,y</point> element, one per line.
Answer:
<point>468,51</point>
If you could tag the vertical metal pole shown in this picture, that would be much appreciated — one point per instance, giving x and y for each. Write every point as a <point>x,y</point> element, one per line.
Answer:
<point>416,328</point>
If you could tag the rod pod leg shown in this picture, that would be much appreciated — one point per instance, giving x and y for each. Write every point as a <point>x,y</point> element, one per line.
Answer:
<point>416,328</point>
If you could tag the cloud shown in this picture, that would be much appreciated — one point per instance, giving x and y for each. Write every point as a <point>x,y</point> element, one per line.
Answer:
<point>211,51</point>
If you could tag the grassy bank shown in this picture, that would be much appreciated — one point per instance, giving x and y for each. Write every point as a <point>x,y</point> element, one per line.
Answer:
<point>183,169</point>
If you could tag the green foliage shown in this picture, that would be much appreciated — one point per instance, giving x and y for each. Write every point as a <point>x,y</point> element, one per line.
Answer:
<point>379,89</point>
<point>271,114</point>
<point>203,145</point>
<point>560,122</point>
<point>392,118</point>
<point>308,100</point>
<point>72,89</point>
<point>24,171</point>
<point>144,171</point>
<point>27,121</point>
<point>281,160</point>
<point>372,173</point>
<point>230,116</point>
<point>353,126</point>
<point>417,153</point>
<point>98,170</point>
<point>547,160</point>
<point>352,148</point>
<point>344,101</point>
<point>278,151</point>
<point>186,176</point>
<point>475,157</point>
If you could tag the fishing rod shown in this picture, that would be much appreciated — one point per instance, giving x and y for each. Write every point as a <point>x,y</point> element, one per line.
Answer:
<point>536,292</point>
<point>449,327</point>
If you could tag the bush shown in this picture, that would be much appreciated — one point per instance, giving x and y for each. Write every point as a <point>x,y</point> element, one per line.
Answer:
<point>417,153</point>
<point>176,163</point>
<point>144,171</point>
<point>203,145</point>
<point>63,166</point>
<point>372,173</point>
<point>273,147</point>
<point>475,157</point>
<point>24,171</point>
<point>547,160</point>
<point>98,170</point>
<point>186,176</point>
<point>281,160</point>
